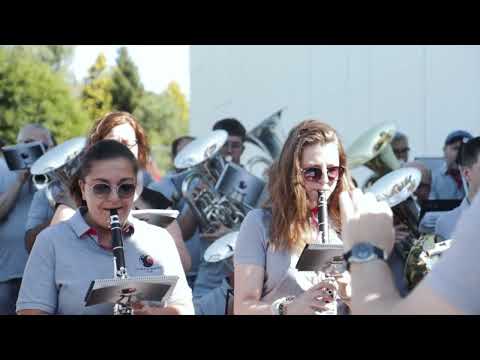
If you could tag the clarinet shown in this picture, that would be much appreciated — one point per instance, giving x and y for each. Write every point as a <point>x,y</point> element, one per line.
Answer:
<point>119,268</point>
<point>322,217</point>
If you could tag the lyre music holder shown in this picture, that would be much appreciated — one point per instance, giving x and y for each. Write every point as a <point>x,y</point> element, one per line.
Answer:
<point>127,291</point>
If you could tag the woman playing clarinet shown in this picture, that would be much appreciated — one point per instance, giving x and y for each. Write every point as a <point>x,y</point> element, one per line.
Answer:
<point>312,165</point>
<point>69,255</point>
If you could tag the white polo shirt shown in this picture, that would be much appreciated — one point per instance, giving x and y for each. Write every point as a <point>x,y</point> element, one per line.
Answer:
<point>66,257</point>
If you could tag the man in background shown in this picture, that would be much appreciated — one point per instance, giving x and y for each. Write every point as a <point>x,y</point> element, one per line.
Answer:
<point>16,193</point>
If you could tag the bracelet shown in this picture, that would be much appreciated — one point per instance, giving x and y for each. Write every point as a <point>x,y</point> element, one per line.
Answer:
<point>278,306</point>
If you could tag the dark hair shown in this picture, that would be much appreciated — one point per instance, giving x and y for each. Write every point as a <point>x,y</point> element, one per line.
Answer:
<point>399,136</point>
<point>102,150</point>
<point>174,150</point>
<point>468,152</point>
<point>232,126</point>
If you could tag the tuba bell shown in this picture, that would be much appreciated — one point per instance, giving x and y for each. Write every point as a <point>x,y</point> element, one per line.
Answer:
<point>265,136</point>
<point>53,170</point>
<point>397,188</point>
<point>373,149</point>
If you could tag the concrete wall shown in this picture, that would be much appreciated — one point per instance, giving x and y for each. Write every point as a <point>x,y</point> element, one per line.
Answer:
<point>427,91</point>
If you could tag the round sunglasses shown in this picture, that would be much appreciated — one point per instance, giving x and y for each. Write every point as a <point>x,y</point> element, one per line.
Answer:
<point>103,191</point>
<point>315,174</point>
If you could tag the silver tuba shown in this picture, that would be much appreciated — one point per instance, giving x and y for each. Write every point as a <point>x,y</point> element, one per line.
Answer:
<point>373,149</point>
<point>397,185</point>
<point>266,138</point>
<point>202,165</point>
<point>216,191</point>
<point>53,170</point>
<point>396,188</point>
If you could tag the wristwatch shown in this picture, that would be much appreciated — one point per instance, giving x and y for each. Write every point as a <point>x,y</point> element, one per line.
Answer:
<point>362,253</point>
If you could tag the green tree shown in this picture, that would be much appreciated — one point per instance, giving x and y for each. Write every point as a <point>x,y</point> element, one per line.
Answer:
<point>127,89</point>
<point>96,94</point>
<point>58,57</point>
<point>30,91</point>
<point>180,100</point>
<point>165,117</point>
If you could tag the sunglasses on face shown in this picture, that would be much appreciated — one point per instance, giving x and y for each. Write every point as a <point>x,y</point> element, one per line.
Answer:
<point>315,174</point>
<point>124,191</point>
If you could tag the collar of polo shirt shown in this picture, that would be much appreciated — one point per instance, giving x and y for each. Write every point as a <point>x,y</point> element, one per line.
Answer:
<point>81,228</point>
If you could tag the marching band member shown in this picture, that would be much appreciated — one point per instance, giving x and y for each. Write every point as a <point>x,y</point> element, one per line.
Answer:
<point>125,128</point>
<point>271,239</point>
<point>16,194</point>
<point>67,256</point>
<point>469,164</point>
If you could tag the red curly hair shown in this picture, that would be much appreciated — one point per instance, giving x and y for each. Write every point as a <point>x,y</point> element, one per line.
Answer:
<point>105,124</point>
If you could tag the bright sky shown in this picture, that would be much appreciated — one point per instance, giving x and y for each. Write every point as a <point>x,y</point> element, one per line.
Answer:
<point>157,64</point>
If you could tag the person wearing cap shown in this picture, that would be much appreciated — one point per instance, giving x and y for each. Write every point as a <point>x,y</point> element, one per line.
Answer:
<point>447,182</point>
<point>469,162</point>
<point>16,194</point>
<point>68,256</point>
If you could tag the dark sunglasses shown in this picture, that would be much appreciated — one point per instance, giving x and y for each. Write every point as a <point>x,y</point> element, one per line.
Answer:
<point>124,191</point>
<point>315,174</point>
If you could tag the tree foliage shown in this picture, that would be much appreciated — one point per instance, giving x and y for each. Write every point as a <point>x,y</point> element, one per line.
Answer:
<point>96,93</point>
<point>31,92</point>
<point>58,57</point>
<point>127,89</point>
<point>165,117</point>
<point>34,88</point>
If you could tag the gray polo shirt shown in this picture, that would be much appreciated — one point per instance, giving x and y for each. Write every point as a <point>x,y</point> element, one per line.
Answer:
<point>455,276</point>
<point>447,221</point>
<point>66,257</point>
<point>40,210</point>
<point>281,277</point>
<point>13,254</point>
<point>444,187</point>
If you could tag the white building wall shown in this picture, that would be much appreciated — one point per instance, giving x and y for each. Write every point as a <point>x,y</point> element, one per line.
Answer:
<point>427,91</point>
